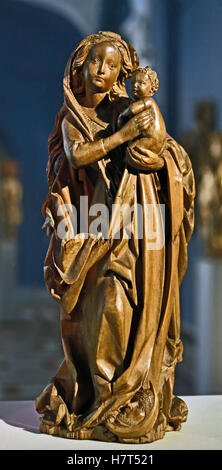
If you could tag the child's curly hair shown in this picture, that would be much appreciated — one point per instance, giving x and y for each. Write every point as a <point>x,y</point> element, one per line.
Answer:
<point>152,75</point>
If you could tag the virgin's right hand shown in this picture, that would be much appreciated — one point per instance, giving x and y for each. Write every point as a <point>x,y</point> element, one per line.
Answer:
<point>136,125</point>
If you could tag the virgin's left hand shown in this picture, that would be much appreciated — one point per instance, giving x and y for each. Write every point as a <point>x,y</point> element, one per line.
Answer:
<point>143,159</point>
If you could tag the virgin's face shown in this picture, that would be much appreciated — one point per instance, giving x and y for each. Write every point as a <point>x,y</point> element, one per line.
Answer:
<point>101,68</point>
<point>140,86</point>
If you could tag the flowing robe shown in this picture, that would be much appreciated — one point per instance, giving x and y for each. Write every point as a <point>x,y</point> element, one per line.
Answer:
<point>119,297</point>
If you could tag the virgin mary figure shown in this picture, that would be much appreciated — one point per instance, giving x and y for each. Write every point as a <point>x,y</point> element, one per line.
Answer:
<point>118,294</point>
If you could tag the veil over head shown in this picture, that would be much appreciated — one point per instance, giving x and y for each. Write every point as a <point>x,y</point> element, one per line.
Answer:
<point>129,61</point>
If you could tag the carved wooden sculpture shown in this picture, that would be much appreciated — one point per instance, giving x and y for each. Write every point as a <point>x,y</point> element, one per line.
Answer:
<point>119,295</point>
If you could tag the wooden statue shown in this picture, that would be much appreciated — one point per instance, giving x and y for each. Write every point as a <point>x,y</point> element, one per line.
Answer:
<point>116,277</point>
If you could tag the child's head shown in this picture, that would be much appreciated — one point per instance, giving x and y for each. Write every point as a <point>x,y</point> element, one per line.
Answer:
<point>144,82</point>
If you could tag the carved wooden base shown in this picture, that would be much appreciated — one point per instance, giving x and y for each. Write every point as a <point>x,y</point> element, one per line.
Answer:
<point>102,432</point>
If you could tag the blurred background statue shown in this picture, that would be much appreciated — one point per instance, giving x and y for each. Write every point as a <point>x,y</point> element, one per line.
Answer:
<point>210,197</point>
<point>11,192</point>
<point>205,147</point>
<point>10,198</point>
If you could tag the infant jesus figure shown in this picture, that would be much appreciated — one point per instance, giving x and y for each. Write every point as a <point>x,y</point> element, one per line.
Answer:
<point>145,152</point>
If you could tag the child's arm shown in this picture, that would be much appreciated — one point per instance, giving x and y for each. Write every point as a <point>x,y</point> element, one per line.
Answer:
<point>135,108</point>
<point>141,105</point>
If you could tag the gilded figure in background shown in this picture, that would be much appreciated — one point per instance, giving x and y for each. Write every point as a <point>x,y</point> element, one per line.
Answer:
<point>11,193</point>
<point>205,148</point>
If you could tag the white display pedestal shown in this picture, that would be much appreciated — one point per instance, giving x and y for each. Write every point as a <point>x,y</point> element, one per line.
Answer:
<point>19,430</point>
<point>208,320</point>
